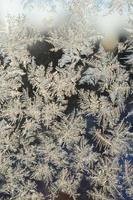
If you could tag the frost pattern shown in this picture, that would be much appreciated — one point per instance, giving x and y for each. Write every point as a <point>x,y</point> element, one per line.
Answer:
<point>65,131</point>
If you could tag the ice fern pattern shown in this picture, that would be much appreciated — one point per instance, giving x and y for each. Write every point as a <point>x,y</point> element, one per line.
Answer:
<point>66,124</point>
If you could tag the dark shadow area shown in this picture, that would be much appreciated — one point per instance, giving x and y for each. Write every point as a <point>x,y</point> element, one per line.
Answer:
<point>4,195</point>
<point>43,54</point>
<point>84,186</point>
<point>123,56</point>
<point>63,196</point>
<point>26,83</point>
<point>42,188</point>
<point>72,104</point>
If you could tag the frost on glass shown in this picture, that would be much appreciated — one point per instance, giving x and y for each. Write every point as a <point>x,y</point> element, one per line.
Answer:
<point>66,104</point>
